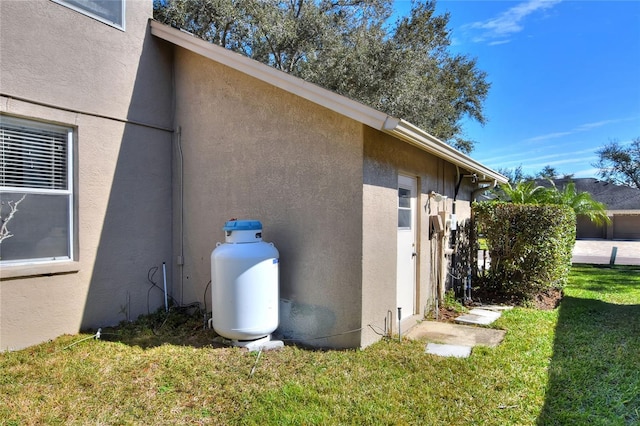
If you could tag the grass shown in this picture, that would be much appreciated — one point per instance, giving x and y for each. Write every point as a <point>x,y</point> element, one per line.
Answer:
<point>578,364</point>
<point>594,374</point>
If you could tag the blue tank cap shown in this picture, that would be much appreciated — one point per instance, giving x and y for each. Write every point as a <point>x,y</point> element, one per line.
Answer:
<point>242,225</point>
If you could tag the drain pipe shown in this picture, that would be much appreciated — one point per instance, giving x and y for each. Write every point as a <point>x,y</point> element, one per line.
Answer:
<point>477,191</point>
<point>164,279</point>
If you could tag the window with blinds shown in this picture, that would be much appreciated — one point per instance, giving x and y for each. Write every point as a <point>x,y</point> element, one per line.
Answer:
<point>36,194</point>
<point>108,11</point>
<point>32,157</point>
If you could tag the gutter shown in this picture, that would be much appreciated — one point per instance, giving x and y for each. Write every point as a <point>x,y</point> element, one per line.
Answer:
<point>419,138</point>
<point>479,189</point>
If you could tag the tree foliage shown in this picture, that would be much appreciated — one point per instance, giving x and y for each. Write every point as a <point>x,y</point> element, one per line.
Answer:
<point>349,46</point>
<point>619,164</point>
<point>548,172</point>
<point>530,247</point>
<point>516,174</point>
<point>528,192</point>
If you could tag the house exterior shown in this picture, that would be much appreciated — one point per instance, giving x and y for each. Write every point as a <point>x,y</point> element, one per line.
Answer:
<point>167,137</point>
<point>623,208</point>
<point>106,88</point>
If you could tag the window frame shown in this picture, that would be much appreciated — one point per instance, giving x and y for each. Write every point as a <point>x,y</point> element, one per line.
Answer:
<point>405,209</point>
<point>69,192</point>
<point>91,14</point>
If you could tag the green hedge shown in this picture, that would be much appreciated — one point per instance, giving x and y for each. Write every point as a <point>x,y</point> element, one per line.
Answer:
<point>530,246</point>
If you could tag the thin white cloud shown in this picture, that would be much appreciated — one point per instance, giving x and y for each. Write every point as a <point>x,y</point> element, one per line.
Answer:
<point>532,164</point>
<point>498,30</point>
<point>586,173</point>
<point>562,161</point>
<point>549,136</point>
<point>556,151</point>
<point>589,126</point>
<point>578,129</point>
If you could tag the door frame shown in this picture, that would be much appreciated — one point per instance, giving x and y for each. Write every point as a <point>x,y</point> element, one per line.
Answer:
<point>411,182</point>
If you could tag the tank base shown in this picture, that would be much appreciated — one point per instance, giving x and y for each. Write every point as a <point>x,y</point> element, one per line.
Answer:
<point>262,344</point>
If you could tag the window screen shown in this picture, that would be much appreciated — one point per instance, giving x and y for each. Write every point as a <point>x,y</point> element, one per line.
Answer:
<point>35,191</point>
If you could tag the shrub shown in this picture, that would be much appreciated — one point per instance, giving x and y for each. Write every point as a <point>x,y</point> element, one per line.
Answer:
<point>529,245</point>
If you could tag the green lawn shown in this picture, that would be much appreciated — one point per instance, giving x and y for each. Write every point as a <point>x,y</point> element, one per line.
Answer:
<point>576,365</point>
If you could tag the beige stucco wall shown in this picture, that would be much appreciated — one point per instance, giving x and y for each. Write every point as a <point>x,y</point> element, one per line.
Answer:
<point>384,159</point>
<point>113,87</point>
<point>252,151</point>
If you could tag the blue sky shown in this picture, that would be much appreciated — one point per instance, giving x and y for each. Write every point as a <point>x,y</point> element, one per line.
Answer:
<point>565,78</point>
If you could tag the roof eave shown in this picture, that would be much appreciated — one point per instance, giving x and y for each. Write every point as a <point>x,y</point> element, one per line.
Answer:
<point>316,94</point>
<point>342,105</point>
<point>423,140</point>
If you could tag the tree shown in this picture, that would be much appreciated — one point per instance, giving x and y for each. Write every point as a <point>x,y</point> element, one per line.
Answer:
<point>523,192</point>
<point>582,203</point>
<point>12,206</point>
<point>619,164</point>
<point>514,175</point>
<point>547,172</point>
<point>348,46</point>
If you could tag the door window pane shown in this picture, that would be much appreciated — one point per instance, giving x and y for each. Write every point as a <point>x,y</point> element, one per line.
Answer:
<point>404,197</point>
<point>404,208</point>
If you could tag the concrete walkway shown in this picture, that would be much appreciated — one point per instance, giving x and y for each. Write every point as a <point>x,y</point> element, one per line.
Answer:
<point>455,334</point>
<point>456,340</point>
<point>599,252</point>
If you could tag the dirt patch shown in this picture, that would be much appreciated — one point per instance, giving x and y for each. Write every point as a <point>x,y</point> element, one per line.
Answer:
<point>548,300</point>
<point>447,314</point>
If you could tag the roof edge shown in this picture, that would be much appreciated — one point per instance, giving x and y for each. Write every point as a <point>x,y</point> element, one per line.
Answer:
<point>371,117</point>
<point>416,136</point>
<point>297,86</point>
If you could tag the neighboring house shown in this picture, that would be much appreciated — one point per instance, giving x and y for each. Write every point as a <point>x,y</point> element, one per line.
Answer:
<point>623,208</point>
<point>156,138</point>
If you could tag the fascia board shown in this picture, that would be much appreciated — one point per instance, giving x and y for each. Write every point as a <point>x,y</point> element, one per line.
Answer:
<point>423,140</point>
<point>297,86</point>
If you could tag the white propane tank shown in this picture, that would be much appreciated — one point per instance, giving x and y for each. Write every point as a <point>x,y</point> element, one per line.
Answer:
<point>244,283</point>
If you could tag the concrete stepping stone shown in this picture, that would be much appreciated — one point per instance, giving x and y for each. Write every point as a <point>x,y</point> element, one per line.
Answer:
<point>458,351</point>
<point>479,317</point>
<point>497,308</point>
<point>456,334</point>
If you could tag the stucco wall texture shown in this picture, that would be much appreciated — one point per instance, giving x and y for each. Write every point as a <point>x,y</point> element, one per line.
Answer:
<point>169,146</point>
<point>384,159</point>
<point>113,88</point>
<point>324,187</point>
<point>252,151</point>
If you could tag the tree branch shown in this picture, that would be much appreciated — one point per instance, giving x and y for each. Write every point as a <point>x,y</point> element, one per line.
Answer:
<point>13,208</point>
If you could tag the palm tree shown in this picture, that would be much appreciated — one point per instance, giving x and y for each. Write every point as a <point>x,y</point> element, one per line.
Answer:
<point>522,193</point>
<point>582,203</point>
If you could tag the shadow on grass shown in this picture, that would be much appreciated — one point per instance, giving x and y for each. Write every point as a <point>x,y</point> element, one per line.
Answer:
<point>609,280</point>
<point>594,374</point>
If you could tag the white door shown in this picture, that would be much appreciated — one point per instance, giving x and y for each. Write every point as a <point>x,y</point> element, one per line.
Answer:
<point>406,263</point>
